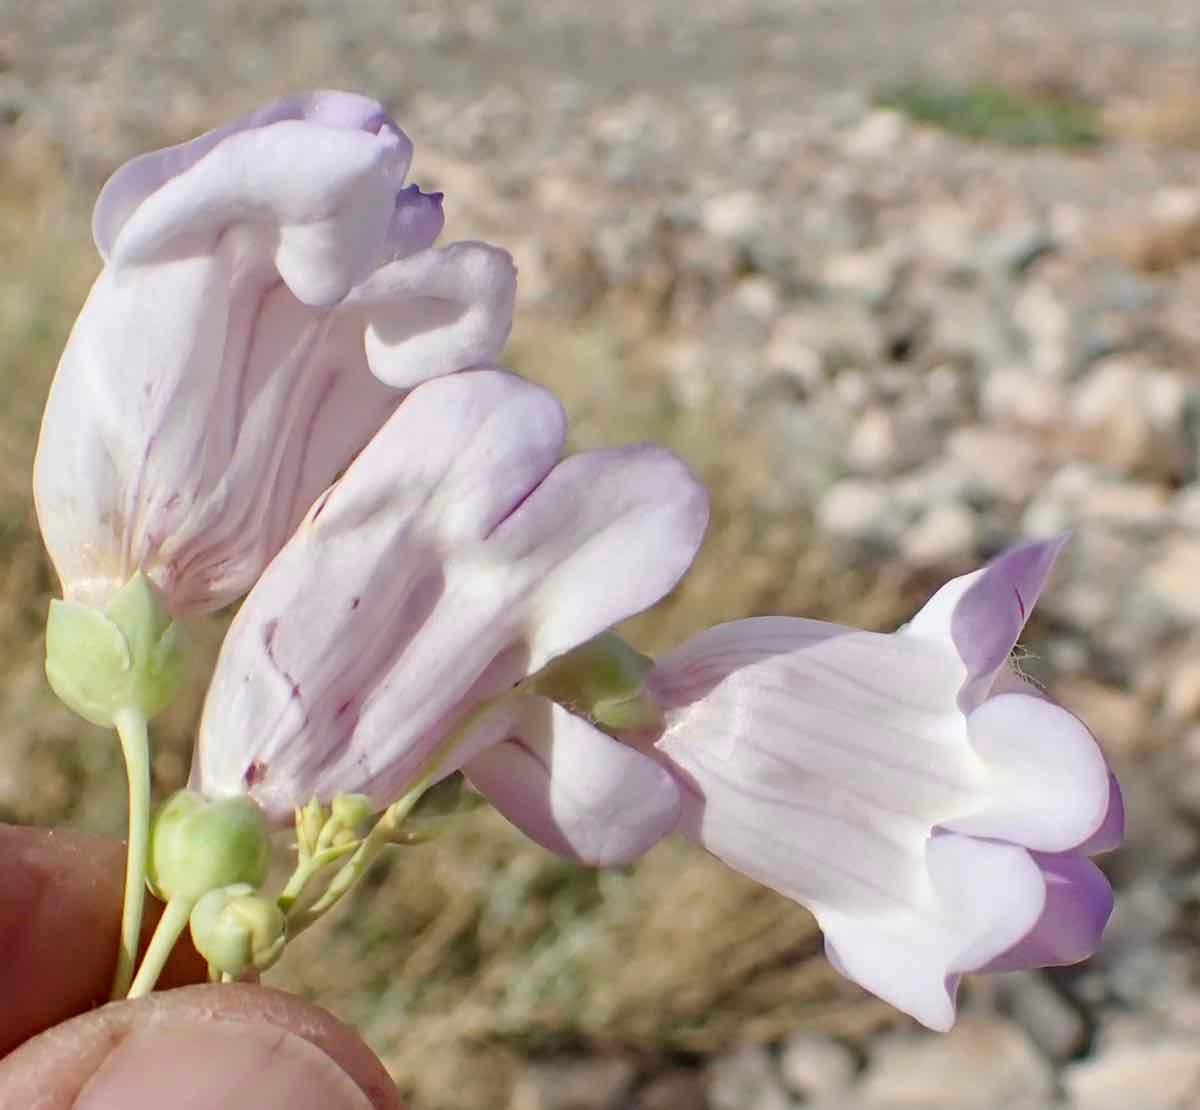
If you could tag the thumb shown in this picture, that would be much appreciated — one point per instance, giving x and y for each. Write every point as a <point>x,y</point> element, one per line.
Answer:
<point>198,1048</point>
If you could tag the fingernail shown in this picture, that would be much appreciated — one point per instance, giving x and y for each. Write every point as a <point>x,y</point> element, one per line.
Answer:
<point>219,1066</point>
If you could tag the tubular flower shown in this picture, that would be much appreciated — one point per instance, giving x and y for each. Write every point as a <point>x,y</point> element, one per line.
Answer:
<point>388,641</point>
<point>269,291</point>
<point>933,809</point>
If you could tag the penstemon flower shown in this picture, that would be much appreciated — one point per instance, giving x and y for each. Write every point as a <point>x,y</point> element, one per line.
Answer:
<point>269,292</point>
<point>269,289</point>
<point>273,317</point>
<point>387,641</point>
<point>933,809</point>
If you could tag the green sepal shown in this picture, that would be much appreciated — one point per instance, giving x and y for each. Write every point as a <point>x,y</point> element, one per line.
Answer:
<point>197,845</point>
<point>238,930</point>
<point>130,656</point>
<point>603,680</point>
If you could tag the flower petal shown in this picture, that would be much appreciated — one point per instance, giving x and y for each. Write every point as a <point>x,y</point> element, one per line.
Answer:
<point>350,662</point>
<point>304,408</point>
<point>983,613</point>
<point>325,225</point>
<point>574,790</point>
<point>349,596</point>
<point>416,224</point>
<point>1111,832</point>
<point>606,535</point>
<point>138,178</point>
<point>844,726</point>
<point>1079,902</point>
<point>437,311</point>
<point>1048,783</point>
<point>117,385</point>
<point>982,898</point>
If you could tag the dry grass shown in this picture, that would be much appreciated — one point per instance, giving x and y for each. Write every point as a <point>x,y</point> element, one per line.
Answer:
<point>479,949</point>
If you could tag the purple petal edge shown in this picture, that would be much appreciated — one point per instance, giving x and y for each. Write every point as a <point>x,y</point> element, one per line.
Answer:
<point>991,614</point>
<point>1079,902</point>
<point>1111,832</point>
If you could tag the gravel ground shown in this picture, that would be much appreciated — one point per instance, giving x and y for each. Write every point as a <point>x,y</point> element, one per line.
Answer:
<point>923,347</point>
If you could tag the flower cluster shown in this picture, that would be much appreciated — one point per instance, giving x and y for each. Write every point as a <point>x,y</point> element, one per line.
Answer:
<point>280,388</point>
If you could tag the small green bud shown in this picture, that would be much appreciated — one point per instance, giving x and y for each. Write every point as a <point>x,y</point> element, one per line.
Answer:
<point>604,680</point>
<point>130,656</point>
<point>237,930</point>
<point>197,845</point>
<point>349,816</point>
<point>309,822</point>
<point>352,811</point>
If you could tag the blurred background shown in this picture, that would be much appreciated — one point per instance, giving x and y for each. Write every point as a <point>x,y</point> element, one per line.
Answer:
<point>907,281</point>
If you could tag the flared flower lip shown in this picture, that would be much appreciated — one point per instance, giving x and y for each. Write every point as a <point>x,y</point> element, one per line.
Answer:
<point>933,809</point>
<point>458,554</point>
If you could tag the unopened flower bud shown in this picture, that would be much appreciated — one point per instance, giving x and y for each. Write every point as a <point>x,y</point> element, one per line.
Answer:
<point>603,680</point>
<point>310,820</point>
<point>237,930</point>
<point>128,656</point>
<point>350,813</point>
<point>197,845</point>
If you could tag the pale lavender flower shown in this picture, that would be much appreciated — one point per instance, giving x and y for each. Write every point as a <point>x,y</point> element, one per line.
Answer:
<point>269,291</point>
<point>932,809</point>
<point>455,557</point>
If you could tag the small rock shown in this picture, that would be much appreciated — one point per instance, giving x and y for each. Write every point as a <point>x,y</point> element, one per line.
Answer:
<point>1181,692</point>
<point>1056,1026</point>
<point>1002,464</point>
<point>1168,238</point>
<point>947,533</point>
<point>1045,321</point>
<point>880,133</point>
<point>873,446</point>
<point>1133,505</point>
<point>841,333</point>
<point>867,276</point>
<point>853,387</point>
<point>1121,719</point>
<point>815,1066</point>
<point>859,510</point>
<point>745,1080</point>
<point>1013,395</point>
<point>982,1063</point>
<point>673,1090</point>
<point>734,217</point>
<point>1013,249</point>
<point>1150,1076</point>
<point>1171,580</point>
<point>1056,507</point>
<point>757,297</point>
<point>585,1084</point>
<point>1185,507</point>
<point>1131,418</point>
<point>945,236</point>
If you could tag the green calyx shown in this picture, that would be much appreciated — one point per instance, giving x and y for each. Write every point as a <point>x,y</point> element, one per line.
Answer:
<point>603,680</point>
<point>128,656</point>
<point>197,845</point>
<point>237,930</point>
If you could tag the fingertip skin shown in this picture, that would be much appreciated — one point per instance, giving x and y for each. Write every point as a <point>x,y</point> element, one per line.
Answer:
<point>197,1048</point>
<point>60,905</point>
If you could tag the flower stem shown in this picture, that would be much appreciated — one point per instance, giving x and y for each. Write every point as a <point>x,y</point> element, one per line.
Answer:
<point>357,865</point>
<point>170,927</point>
<point>135,745</point>
<point>385,830</point>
